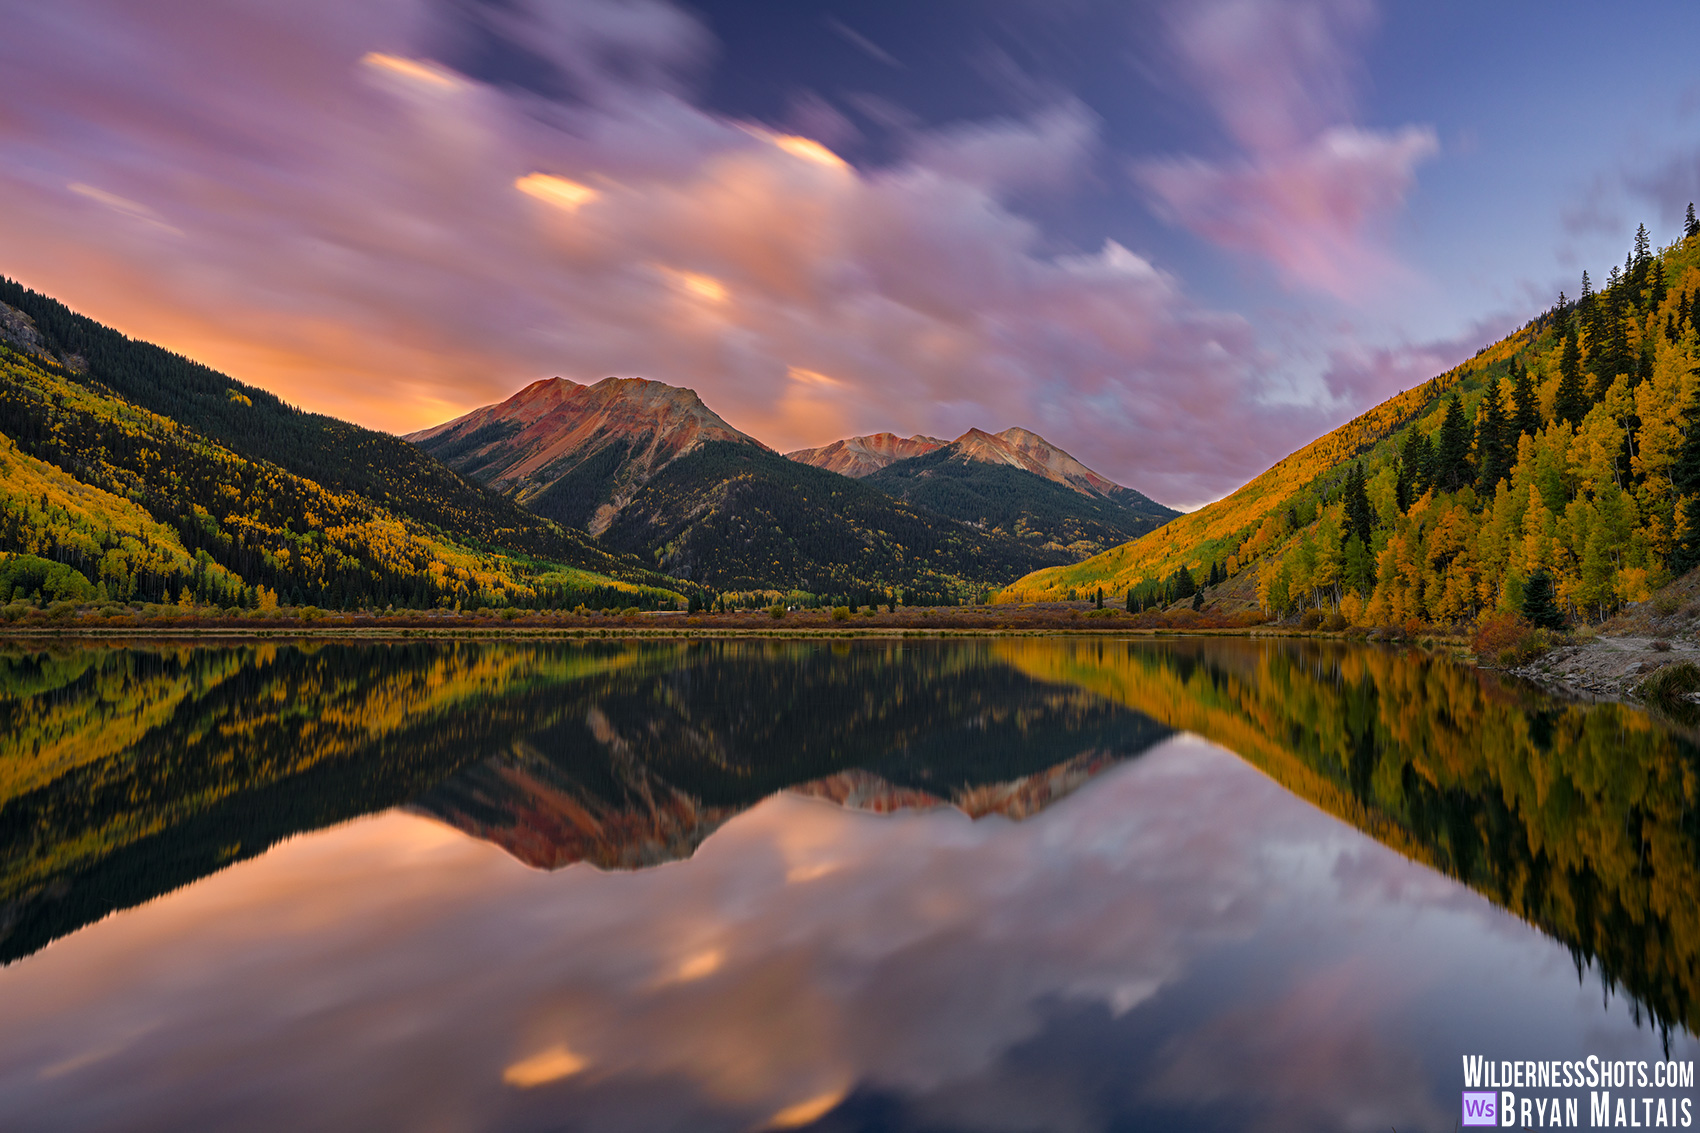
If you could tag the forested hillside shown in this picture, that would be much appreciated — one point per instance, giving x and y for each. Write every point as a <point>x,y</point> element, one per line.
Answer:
<point>1561,455</point>
<point>104,500</point>
<point>738,517</point>
<point>1015,502</point>
<point>340,456</point>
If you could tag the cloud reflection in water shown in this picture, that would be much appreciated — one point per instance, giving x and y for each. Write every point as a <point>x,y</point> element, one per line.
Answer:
<point>1180,941</point>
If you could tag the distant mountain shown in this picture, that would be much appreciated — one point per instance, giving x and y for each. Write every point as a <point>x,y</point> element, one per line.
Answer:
<point>578,453</point>
<point>1028,451</point>
<point>1017,483</point>
<point>151,475</point>
<point>859,456</point>
<point>657,474</point>
<point>739,517</point>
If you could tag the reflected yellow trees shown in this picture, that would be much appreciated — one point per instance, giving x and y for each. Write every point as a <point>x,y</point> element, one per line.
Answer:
<point>1579,818</point>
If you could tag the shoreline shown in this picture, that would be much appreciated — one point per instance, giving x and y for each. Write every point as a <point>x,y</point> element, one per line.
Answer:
<point>1593,668</point>
<point>1605,666</point>
<point>657,633</point>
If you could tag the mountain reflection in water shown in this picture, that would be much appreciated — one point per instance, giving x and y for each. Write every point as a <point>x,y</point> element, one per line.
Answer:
<point>1186,918</point>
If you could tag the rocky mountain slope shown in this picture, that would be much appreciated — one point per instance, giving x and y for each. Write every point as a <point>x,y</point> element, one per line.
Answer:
<point>657,474</point>
<point>578,453</point>
<point>1017,483</point>
<point>859,456</point>
<point>738,517</point>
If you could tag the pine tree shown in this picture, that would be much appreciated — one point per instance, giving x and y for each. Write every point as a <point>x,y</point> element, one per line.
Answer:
<point>1685,477</point>
<point>1538,604</point>
<point>1526,408</point>
<point>1561,317</point>
<point>1183,584</point>
<point>1360,517</point>
<point>1691,226</point>
<point>1130,602</point>
<point>1452,468</point>
<point>1494,456</point>
<point>1416,463</point>
<point>1641,262</point>
<point>1358,566</point>
<point>1100,602</point>
<point>1570,404</point>
<point>1610,352</point>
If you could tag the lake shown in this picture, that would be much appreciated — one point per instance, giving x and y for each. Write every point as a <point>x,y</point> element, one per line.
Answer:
<point>977,884</point>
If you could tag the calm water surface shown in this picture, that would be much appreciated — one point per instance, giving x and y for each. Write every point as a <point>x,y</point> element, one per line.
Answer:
<point>999,885</point>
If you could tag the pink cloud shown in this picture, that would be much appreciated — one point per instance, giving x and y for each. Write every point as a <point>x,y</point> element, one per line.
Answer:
<point>1364,375</point>
<point>1310,211</point>
<point>1311,192</point>
<point>1277,73</point>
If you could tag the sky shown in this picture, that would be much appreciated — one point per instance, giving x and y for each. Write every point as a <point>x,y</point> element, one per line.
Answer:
<point>1178,238</point>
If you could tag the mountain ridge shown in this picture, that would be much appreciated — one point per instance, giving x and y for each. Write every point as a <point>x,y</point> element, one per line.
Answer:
<point>529,446</point>
<point>859,456</point>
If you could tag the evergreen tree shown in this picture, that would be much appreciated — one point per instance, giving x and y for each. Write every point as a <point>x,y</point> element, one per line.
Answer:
<point>1685,477</point>
<point>1570,404</point>
<point>1130,601</point>
<point>1358,567</point>
<point>1360,517</point>
<point>1452,449</point>
<point>1526,407</point>
<point>1659,287</point>
<point>1641,262</point>
<point>1561,317</point>
<point>1494,456</point>
<point>1691,226</point>
<point>1538,604</point>
<point>1183,584</point>
<point>1100,602</point>
<point>1416,465</point>
<point>1612,356</point>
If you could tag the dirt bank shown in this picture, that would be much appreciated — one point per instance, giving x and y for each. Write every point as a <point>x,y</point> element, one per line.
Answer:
<point>1609,665</point>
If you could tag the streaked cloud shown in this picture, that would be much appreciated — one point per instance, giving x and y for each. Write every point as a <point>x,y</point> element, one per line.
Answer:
<point>375,250</point>
<point>123,206</point>
<point>1311,193</point>
<point>545,1066</point>
<point>1310,212</point>
<point>423,72</point>
<point>698,285</point>
<point>558,191</point>
<point>809,150</point>
<point>805,1112</point>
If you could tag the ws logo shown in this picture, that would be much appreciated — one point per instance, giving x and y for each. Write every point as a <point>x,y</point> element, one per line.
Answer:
<point>1480,1108</point>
